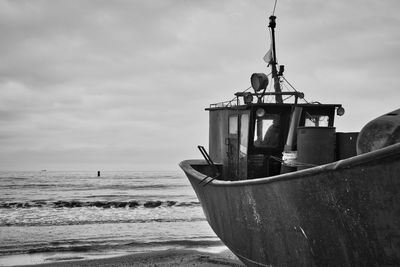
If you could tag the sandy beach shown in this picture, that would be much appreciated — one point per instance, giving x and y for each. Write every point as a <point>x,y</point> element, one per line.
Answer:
<point>159,258</point>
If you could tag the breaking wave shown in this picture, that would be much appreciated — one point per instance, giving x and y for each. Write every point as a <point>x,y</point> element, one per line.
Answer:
<point>89,222</point>
<point>84,246</point>
<point>98,204</point>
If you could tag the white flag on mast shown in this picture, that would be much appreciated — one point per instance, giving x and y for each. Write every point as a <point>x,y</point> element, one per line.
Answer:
<point>268,56</point>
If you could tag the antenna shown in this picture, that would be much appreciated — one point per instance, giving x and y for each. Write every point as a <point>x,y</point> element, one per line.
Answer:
<point>275,76</point>
<point>273,12</point>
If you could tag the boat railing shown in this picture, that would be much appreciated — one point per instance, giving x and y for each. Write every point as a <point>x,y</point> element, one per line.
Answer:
<point>296,94</point>
<point>260,96</point>
<point>207,157</point>
<point>224,104</point>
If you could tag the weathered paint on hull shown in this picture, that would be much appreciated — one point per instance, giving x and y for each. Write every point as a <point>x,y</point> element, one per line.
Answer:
<point>342,214</point>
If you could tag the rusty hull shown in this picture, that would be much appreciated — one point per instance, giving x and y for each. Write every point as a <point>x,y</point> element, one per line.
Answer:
<point>346,213</point>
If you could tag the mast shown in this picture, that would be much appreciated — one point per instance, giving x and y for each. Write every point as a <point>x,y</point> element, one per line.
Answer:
<point>275,74</point>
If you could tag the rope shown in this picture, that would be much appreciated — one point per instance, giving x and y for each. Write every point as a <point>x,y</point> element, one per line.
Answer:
<point>284,78</point>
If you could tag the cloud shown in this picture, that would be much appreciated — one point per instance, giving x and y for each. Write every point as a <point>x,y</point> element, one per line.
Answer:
<point>125,83</point>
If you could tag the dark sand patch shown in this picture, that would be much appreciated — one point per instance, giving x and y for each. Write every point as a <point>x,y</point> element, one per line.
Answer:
<point>158,258</point>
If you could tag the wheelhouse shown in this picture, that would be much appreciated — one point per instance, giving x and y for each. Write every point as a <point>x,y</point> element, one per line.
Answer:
<point>249,140</point>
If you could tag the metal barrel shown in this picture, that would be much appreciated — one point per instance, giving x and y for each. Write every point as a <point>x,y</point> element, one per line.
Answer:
<point>315,146</point>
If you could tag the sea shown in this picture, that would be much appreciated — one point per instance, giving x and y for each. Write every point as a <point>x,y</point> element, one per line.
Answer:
<point>48,216</point>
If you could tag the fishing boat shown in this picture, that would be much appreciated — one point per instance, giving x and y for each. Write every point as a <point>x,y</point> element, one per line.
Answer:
<point>281,187</point>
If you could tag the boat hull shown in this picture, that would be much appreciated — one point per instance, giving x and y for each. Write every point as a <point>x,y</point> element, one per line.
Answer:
<point>345,213</point>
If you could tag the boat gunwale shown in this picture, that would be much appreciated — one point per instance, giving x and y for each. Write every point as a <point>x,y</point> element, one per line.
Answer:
<point>382,153</point>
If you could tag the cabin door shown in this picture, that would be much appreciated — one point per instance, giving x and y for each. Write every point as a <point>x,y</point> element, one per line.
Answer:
<point>238,146</point>
<point>243,145</point>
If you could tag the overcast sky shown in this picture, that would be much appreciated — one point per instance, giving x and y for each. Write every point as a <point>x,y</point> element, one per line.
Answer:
<point>122,85</point>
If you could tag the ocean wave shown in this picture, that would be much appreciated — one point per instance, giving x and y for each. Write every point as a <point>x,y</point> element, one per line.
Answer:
<point>88,222</point>
<point>89,186</point>
<point>98,204</point>
<point>85,246</point>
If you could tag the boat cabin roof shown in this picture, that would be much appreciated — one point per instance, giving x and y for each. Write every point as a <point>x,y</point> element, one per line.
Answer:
<point>241,102</point>
<point>319,106</point>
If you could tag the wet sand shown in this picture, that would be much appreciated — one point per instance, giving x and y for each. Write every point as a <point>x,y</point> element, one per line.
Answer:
<point>159,258</point>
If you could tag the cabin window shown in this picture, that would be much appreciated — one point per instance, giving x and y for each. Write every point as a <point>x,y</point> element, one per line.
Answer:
<point>316,120</point>
<point>244,133</point>
<point>233,124</point>
<point>267,131</point>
